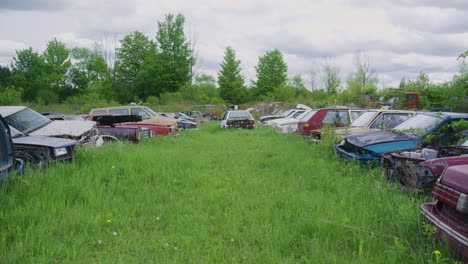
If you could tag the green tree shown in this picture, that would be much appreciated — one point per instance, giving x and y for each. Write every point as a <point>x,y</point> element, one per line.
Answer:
<point>57,61</point>
<point>230,80</point>
<point>89,68</point>
<point>5,75</point>
<point>28,72</point>
<point>175,55</point>
<point>272,73</point>
<point>135,47</point>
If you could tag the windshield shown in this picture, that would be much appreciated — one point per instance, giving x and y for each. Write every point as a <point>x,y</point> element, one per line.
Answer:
<point>308,116</point>
<point>418,125</point>
<point>240,114</point>
<point>363,119</point>
<point>27,120</point>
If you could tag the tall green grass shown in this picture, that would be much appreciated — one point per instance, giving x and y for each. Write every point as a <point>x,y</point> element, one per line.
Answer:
<point>211,196</point>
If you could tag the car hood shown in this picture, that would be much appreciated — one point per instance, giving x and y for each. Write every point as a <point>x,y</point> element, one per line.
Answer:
<point>375,137</point>
<point>44,141</point>
<point>73,128</point>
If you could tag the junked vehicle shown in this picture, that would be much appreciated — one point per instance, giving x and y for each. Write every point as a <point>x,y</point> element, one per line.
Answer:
<point>183,121</point>
<point>8,162</point>
<point>110,128</point>
<point>290,125</point>
<point>449,214</point>
<point>148,115</point>
<point>421,167</point>
<point>294,115</point>
<point>370,120</point>
<point>281,113</point>
<point>423,130</point>
<point>238,119</point>
<point>335,117</point>
<point>32,123</point>
<point>41,150</point>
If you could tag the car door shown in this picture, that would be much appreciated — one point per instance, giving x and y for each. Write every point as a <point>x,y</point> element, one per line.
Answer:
<point>223,121</point>
<point>6,149</point>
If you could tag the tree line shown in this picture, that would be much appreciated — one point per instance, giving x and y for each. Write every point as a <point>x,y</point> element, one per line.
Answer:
<point>163,70</point>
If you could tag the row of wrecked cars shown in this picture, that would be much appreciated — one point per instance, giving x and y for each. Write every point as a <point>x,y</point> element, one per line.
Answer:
<point>32,138</point>
<point>424,151</point>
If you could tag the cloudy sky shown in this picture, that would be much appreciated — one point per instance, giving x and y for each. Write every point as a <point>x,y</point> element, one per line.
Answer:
<point>401,37</point>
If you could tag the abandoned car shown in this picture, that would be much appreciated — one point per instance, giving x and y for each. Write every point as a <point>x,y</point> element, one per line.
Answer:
<point>290,125</point>
<point>335,117</point>
<point>41,150</point>
<point>370,120</point>
<point>148,115</point>
<point>449,214</point>
<point>421,167</point>
<point>423,130</point>
<point>238,118</point>
<point>32,123</point>
<point>110,128</point>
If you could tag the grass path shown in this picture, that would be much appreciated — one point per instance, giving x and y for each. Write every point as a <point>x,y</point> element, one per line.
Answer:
<point>210,196</point>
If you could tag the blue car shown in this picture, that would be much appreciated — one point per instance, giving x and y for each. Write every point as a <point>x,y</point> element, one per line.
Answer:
<point>424,129</point>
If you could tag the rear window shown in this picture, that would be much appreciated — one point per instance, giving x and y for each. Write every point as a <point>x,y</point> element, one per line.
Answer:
<point>99,112</point>
<point>119,111</point>
<point>390,120</point>
<point>336,117</point>
<point>240,114</point>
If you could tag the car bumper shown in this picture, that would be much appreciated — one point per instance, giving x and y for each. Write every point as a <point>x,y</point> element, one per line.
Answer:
<point>457,240</point>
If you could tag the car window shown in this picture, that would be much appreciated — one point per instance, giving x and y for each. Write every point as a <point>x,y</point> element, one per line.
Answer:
<point>98,112</point>
<point>336,117</point>
<point>298,113</point>
<point>363,119</point>
<point>27,120</point>
<point>140,112</point>
<point>308,116</point>
<point>355,114</point>
<point>119,111</point>
<point>240,114</point>
<point>389,120</point>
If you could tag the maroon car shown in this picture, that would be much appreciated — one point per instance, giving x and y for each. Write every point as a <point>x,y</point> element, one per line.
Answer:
<point>449,214</point>
<point>421,167</point>
<point>336,117</point>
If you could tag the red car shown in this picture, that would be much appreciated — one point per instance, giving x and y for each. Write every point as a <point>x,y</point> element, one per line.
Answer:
<point>156,129</point>
<point>336,117</point>
<point>450,213</point>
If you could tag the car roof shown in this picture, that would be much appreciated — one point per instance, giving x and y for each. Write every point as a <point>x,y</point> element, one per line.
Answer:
<point>115,107</point>
<point>448,115</point>
<point>8,110</point>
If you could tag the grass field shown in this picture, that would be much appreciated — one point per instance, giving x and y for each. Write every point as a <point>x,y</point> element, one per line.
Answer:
<point>211,196</point>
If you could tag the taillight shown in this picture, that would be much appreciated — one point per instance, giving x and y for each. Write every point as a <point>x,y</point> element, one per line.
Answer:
<point>438,168</point>
<point>451,197</point>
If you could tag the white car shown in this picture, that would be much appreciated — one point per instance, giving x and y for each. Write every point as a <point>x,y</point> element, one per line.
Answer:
<point>293,115</point>
<point>290,125</point>
<point>238,118</point>
<point>30,122</point>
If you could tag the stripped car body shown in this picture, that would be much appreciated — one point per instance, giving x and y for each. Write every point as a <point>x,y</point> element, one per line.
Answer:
<point>449,214</point>
<point>430,129</point>
<point>32,123</point>
<point>421,167</point>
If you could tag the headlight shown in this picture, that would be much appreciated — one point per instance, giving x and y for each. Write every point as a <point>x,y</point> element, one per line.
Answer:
<point>60,152</point>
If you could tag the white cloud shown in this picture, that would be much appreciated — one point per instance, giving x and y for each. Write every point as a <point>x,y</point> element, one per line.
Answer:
<point>402,37</point>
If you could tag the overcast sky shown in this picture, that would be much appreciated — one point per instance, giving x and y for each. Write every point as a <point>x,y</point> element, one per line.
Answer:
<point>401,37</point>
